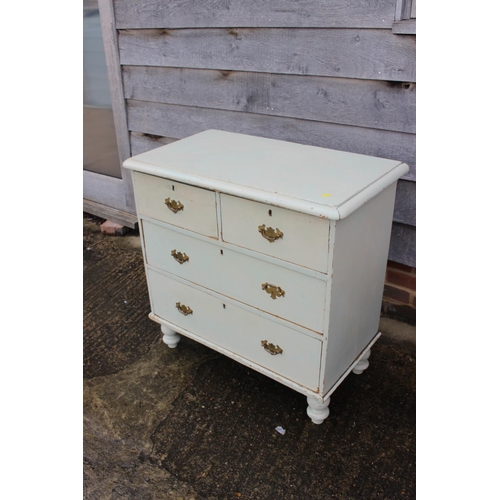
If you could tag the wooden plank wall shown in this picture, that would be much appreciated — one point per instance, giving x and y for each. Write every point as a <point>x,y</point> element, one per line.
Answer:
<point>328,73</point>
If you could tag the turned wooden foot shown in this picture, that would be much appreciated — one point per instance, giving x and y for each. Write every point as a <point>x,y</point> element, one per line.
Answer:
<point>317,410</point>
<point>362,364</point>
<point>170,337</point>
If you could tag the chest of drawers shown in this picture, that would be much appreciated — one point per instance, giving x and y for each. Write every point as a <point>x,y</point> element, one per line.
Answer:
<point>272,253</point>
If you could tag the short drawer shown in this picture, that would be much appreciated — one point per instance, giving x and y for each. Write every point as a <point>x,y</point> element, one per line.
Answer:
<point>283,350</point>
<point>179,204</point>
<point>288,294</point>
<point>285,234</point>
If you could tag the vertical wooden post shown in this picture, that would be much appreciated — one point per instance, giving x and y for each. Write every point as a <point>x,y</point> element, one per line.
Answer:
<point>110,39</point>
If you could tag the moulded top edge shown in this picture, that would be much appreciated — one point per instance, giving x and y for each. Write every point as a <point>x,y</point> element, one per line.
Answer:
<point>275,199</point>
<point>317,181</point>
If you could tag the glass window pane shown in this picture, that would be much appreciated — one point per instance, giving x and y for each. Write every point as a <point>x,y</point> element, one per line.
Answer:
<point>100,150</point>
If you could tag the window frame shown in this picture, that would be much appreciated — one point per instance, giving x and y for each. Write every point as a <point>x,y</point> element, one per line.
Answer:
<point>405,18</point>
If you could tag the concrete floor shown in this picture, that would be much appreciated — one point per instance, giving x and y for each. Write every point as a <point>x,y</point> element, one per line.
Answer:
<point>188,423</point>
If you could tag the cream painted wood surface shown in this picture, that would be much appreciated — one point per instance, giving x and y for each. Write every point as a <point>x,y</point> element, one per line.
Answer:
<point>232,355</point>
<point>199,206</point>
<point>304,240</point>
<point>236,329</point>
<point>213,275</point>
<point>237,275</point>
<point>359,263</point>
<point>308,179</point>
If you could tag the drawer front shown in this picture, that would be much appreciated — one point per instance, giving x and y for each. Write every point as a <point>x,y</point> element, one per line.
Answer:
<point>191,208</point>
<point>279,291</point>
<point>237,330</point>
<point>278,232</point>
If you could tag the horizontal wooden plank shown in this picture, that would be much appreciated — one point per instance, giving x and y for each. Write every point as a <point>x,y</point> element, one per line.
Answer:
<point>140,143</point>
<point>405,207</point>
<point>403,244</point>
<point>364,103</point>
<point>254,13</point>
<point>105,190</point>
<point>118,216</point>
<point>405,27</point>
<point>349,53</point>
<point>110,45</point>
<point>177,122</point>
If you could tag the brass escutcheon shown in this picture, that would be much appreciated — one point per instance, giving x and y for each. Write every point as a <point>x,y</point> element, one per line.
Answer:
<point>271,348</point>
<point>269,233</point>
<point>273,290</point>
<point>173,205</point>
<point>179,256</point>
<point>183,309</point>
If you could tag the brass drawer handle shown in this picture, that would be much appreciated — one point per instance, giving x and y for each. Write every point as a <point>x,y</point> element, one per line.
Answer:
<point>271,348</point>
<point>179,256</point>
<point>269,233</point>
<point>273,290</point>
<point>183,309</point>
<point>173,205</point>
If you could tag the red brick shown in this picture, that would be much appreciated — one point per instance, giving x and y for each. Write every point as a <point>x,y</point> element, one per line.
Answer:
<point>112,228</point>
<point>391,293</point>
<point>401,267</point>
<point>401,279</point>
<point>400,312</point>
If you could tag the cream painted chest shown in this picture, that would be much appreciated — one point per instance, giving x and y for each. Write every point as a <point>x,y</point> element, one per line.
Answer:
<point>270,252</point>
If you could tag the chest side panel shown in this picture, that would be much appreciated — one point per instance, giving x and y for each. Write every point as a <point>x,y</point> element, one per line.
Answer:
<point>360,253</point>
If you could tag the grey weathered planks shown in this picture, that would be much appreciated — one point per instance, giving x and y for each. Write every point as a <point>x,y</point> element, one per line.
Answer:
<point>254,13</point>
<point>365,103</point>
<point>405,209</point>
<point>350,53</point>
<point>403,244</point>
<point>405,27</point>
<point>140,143</point>
<point>182,121</point>
<point>105,190</point>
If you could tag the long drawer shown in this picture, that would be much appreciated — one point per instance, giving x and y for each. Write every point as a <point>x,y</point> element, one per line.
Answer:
<point>281,233</point>
<point>185,206</point>
<point>285,351</point>
<point>288,294</point>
